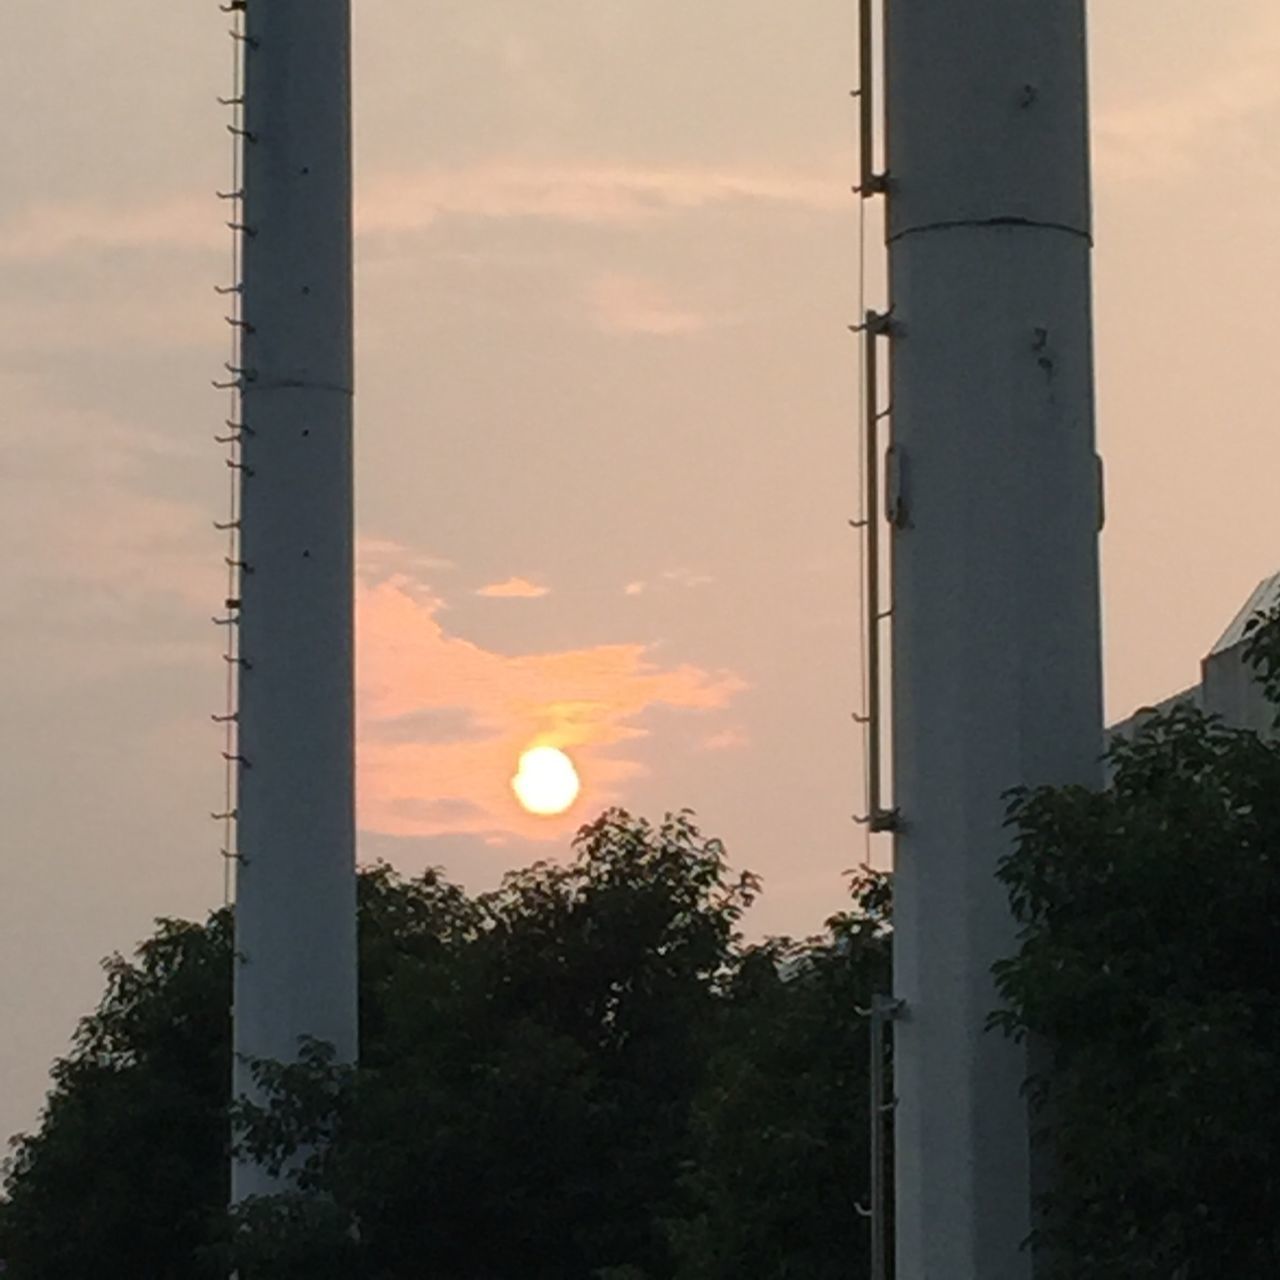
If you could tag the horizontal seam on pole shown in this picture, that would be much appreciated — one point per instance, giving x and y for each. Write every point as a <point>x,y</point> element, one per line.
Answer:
<point>982,224</point>
<point>289,384</point>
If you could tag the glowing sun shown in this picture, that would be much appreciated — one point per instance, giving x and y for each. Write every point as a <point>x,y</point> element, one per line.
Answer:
<point>546,782</point>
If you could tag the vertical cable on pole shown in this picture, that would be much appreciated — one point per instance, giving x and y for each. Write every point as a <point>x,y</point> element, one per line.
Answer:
<point>879,817</point>
<point>236,471</point>
<point>861,716</point>
<point>871,183</point>
<point>872,326</point>
<point>861,523</point>
<point>871,552</point>
<point>883,1010</point>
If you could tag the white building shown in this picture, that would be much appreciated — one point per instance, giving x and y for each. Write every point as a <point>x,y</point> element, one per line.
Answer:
<point>1227,685</point>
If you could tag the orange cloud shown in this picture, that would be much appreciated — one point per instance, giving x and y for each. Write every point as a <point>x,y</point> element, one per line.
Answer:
<point>443,721</point>
<point>514,589</point>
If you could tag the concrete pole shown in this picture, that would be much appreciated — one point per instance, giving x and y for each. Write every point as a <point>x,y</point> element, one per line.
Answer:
<point>996,651</point>
<point>295,885</point>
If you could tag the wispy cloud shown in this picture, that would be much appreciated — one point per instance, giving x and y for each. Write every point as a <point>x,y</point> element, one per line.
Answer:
<point>482,708</point>
<point>1173,135</point>
<point>619,303</point>
<point>413,201</point>
<point>98,320</point>
<point>683,576</point>
<point>514,589</point>
<point>51,230</point>
<point>105,574</point>
<point>80,517</point>
<point>583,193</point>
<point>382,557</point>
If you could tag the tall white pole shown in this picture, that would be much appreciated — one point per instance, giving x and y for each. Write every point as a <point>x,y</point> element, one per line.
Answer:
<point>996,652</point>
<point>295,890</point>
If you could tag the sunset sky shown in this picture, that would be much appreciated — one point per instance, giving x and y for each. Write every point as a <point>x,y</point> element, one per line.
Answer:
<point>606,424</point>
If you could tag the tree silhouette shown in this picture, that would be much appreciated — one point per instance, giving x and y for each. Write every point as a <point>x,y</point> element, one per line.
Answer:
<point>584,1074</point>
<point>1150,913</point>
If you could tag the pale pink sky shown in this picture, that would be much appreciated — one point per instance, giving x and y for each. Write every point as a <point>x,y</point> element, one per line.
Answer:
<point>606,454</point>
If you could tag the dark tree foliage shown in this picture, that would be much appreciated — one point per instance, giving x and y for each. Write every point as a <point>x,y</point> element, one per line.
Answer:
<point>1262,652</point>
<point>780,1126</point>
<point>128,1169</point>
<point>1150,914</point>
<point>584,1075</point>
